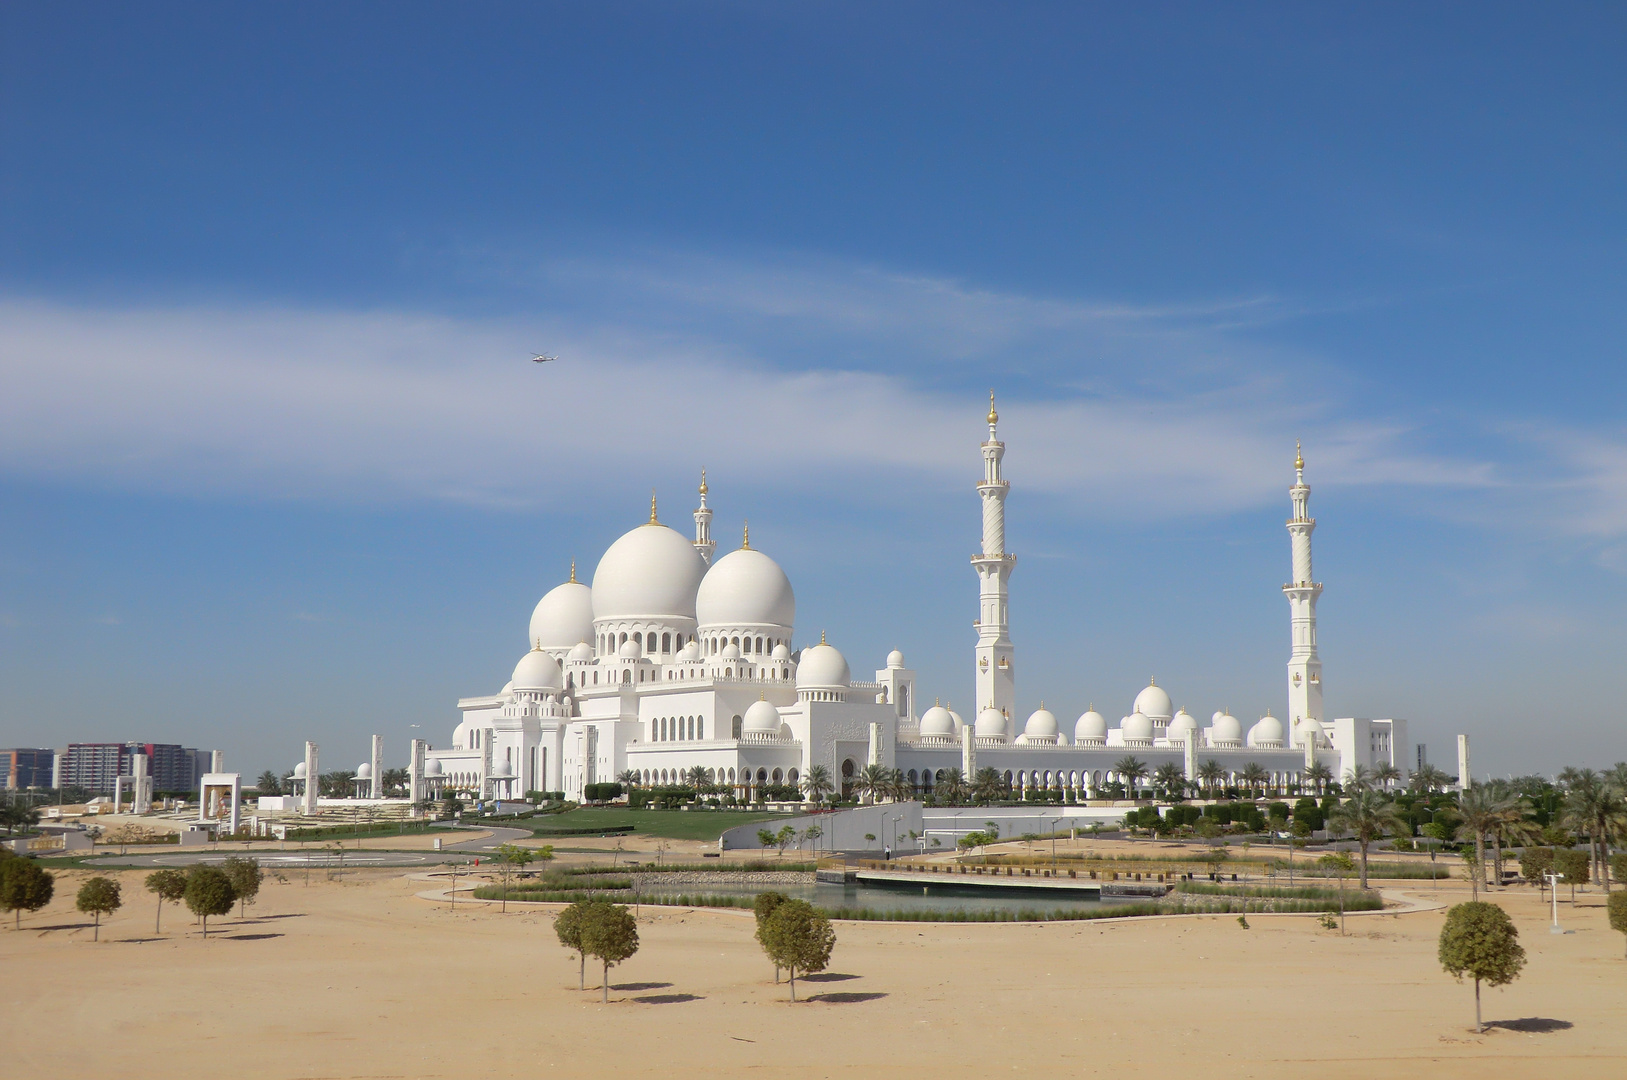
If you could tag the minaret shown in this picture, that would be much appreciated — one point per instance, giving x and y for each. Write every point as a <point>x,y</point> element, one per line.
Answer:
<point>703,526</point>
<point>996,686</point>
<point>1304,666</point>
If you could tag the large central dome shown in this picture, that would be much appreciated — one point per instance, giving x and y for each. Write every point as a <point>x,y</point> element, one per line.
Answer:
<point>650,573</point>
<point>746,588</point>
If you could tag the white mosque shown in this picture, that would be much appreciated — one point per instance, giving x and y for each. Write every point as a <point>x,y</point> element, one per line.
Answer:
<point>674,659</point>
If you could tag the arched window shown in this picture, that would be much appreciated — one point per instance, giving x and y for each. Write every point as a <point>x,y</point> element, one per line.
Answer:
<point>666,643</point>
<point>627,675</point>
<point>700,727</point>
<point>735,642</point>
<point>762,775</point>
<point>623,640</point>
<point>649,645</point>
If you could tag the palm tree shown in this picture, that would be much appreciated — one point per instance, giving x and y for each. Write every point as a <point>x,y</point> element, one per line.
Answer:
<point>1481,809</point>
<point>1359,778</point>
<point>1170,779</point>
<point>1594,805</point>
<point>953,789</point>
<point>989,786</point>
<point>1131,770</point>
<point>872,782</point>
<point>1210,774</point>
<point>1427,779</point>
<point>268,784</point>
<point>628,778</point>
<point>1253,776</point>
<point>816,784</point>
<point>1385,775</point>
<point>1320,775</point>
<point>1368,816</point>
<point>696,778</point>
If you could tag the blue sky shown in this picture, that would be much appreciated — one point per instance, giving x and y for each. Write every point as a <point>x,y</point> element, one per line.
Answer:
<point>273,464</point>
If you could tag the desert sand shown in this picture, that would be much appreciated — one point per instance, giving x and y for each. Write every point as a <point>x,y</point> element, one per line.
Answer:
<point>362,977</point>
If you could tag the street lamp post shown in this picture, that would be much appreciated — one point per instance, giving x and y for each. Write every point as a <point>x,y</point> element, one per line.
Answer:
<point>1553,883</point>
<point>1054,823</point>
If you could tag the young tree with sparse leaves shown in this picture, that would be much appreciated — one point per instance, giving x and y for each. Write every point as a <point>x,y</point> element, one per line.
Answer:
<point>97,897</point>
<point>168,885</point>
<point>1481,941</point>
<point>610,933</point>
<point>798,938</point>
<point>568,927</point>
<point>764,907</point>
<point>245,876</point>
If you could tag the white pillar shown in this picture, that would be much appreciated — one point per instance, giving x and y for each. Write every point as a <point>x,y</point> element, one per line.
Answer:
<point>377,789</point>
<point>415,773</point>
<point>312,779</point>
<point>141,795</point>
<point>217,761</point>
<point>1463,762</point>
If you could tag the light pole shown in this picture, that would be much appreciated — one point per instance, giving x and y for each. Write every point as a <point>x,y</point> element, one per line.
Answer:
<point>1553,883</point>
<point>1054,823</point>
<point>896,819</point>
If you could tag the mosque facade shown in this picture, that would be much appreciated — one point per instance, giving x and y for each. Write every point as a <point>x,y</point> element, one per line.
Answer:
<point>674,659</point>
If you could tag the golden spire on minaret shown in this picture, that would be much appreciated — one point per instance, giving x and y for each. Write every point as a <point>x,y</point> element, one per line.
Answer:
<point>994,417</point>
<point>703,481</point>
<point>745,538</point>
<point>1299,456</point>
<point>653,521</point>
<point>573,571</point>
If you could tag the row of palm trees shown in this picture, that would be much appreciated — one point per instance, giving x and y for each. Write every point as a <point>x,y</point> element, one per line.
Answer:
<point>1594,805</point>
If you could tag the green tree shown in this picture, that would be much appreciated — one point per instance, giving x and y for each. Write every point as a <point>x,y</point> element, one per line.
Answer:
<point>610,933</point>
<point>209,892</point>
<point>1428,780</point>
<point>763,907</point>
<point>1254,776</point>
<point>1131,770</point>
<point>1210,773</point>
<point>1171,780</point>
<point>989,786</point>
<point>765,839</point>
<point>812,835</point>
<point>873,782</point>
<point>513,857</point>
<point>1340,864</point>
<point>1319,775</point>
<point>24,887</point>
<point>167,885</point>
<point>798,938</point>
<point>245,875</point>
<point>1367,816</point>
<point>1573,866</point>
<point>817,785</point>
<point>785,838</point>
<point>1535,864</point>
<point>568,927</point>
<point>1617,907</point>
<point>268,784</point>
<point>1481,808</point>
<point>1481,941</point>
<point>97,897</point>
<point>953,789</point>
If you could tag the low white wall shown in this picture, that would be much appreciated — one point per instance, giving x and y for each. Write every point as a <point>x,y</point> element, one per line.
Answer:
<point>843,830</point>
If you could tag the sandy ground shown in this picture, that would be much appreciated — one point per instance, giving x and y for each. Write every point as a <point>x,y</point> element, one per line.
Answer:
<point>359,977</point>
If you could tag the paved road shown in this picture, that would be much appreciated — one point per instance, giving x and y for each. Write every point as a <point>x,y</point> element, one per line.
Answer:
<point>462,851</point>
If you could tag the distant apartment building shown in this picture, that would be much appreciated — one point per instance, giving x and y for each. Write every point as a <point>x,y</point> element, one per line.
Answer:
<point>26,768</point>
<point>96,766</point>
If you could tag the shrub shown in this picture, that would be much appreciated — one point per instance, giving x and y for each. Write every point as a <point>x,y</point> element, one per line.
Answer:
<point>1574,864</point>
<point>1618,910</point>
<point>1618,868</point>
<point>1535,862</point>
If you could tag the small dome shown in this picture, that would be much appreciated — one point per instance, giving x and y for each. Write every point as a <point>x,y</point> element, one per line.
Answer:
<point>690,652</point>
<point>1181,726</point>
<point>1136,727</point>
<point>895,659</point>
<point>1267,733</point>
<point>537,671</point>
<point>563,617</point>
<point>1309,731</point>
<point>991,724</point>
<point>299,771</point>
<point>502,771</point>
<point>581,653</point>
<point>432,767</point>
<point>631,649</point>
<point>364,771</point>
<point>1041,725</point>
<point>745,588</point>
<point>731,651</point>
<point>936,721</point>
<point>781,652</point>
<point>1153,703</point>
<point>652,572</point>
<point>1225,730</point>
<point>762,719</point>
<point>1091,725</point>
<point>822,666</point>
<point>955,717</point>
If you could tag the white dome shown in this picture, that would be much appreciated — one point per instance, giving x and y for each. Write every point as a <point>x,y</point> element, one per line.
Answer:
<point>895,659</point>
<point>731,651</point>
<point>581,652</point>
<point>501,771</point>
<point>1225,729</point>
<point>432,767</point>
<point>631,649</point>
<point>537,671</point>
<point>1090,725</point>
<point>364,771</point>
<point>299,771</point>
<point>745,588</point>
<point>1181,725</point>
<point>822,666</point>
<point>1137,726</point>
<point>564,617</point>
<point>762,718</point>
<point>781,652</point>
<point>691,651</point>
<point>1153,703</point>
<point>650,573</point>
<point>937,721</point>
<point>955,717</point>
<point>1041,725</point>
<point>991,724</point>
<point>1266,733</point>
<point>1309,731</point>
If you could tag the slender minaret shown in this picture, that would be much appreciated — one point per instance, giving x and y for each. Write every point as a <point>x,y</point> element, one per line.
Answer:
<point>1304,667</point>
<point>703,526</point>
<point>996,686</point>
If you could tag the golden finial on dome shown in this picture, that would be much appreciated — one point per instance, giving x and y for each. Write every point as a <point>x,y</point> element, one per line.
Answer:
<point>703,481</point>
<point>573,572</point>
<point>821,637</point>
<point>994,417</point>
<point>1299,456</point>
<point>745,537</point>
<point>652,508</point>
<point>1152,681</point>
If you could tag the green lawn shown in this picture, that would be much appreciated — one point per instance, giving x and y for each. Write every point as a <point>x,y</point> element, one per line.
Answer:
<point>670,824</point>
